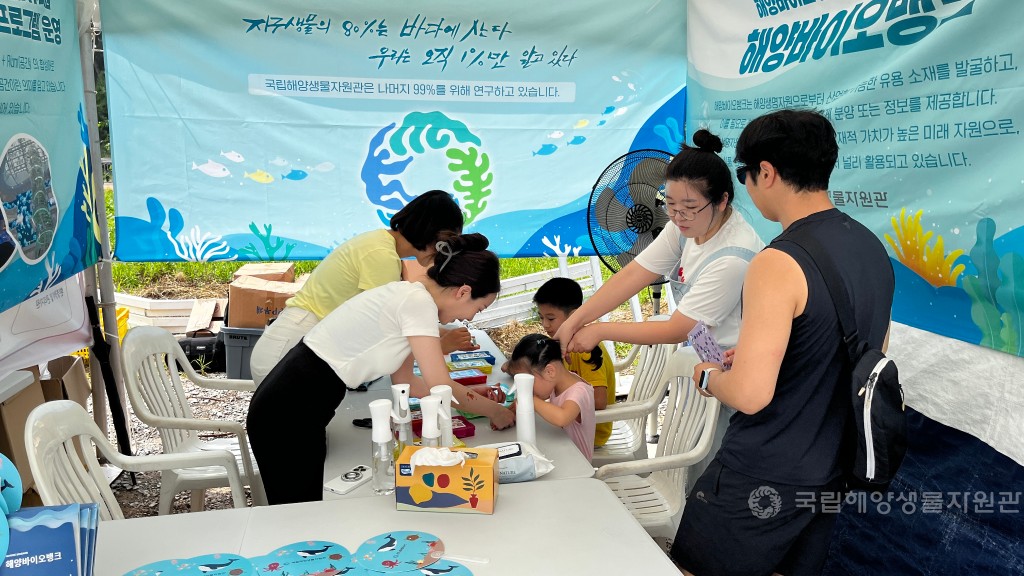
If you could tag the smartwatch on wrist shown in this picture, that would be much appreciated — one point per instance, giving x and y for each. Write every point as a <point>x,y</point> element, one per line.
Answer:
<point>705,378</point>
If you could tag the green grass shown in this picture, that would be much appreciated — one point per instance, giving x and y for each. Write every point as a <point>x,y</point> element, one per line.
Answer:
<point>133,276</point>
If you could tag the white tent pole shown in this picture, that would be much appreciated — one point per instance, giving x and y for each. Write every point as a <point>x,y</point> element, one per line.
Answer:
<point>87,11</point>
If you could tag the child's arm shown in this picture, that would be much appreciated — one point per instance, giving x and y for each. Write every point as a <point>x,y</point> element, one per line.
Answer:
<point>600,396</point>
<point>560,416</point>
<point>427,350</point>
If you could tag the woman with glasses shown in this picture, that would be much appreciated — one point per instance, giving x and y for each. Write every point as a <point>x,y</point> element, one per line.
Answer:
<point>704,253</point>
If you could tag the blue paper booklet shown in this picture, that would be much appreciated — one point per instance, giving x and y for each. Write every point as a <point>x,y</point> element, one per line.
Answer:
<point>52,541</point>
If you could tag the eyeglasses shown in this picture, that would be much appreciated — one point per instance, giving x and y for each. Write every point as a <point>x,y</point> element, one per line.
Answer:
<point>684,214</point>
<point>741,173</point>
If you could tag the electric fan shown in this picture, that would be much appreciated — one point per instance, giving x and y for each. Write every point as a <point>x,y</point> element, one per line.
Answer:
<point>627,209</point>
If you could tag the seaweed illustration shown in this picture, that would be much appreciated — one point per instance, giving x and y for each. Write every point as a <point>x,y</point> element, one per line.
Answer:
<point>912,249</point>
<point>670,133</point>
<point>198,247</point>
<point>270,248</point>
<point>997,293</point>
<point>52,276</point>
<point>475,179</point>
<point>433,128</point>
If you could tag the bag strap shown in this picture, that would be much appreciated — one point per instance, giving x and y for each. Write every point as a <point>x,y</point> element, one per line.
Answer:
<point>836,290</point>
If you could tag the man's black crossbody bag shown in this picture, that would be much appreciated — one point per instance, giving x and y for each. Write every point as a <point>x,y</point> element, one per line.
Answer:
<point>876,442</point>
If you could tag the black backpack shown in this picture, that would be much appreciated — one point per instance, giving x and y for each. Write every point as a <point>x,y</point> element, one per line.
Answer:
<point>875,440</point>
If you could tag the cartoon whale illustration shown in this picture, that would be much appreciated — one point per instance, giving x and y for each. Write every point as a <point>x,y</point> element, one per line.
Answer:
<point>428,571</point>
<point>211,567</point>
<point>260,176</point>
<point>233,156</point>
<point>295,175</point>
<point>312,552</point>
<point>546,150</point>
<point>211,168</point>
<point>389,545</point>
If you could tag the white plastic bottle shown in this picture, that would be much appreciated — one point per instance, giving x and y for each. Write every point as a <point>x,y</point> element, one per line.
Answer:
<point>382,447</point>
<point>526,429</point>
<point>444,392</point>
<point>401,417</point>
<point>430,433</point>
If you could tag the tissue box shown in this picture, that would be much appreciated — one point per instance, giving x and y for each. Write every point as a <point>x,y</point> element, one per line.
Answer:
<point>478,355</point>
<point>469,376</point>
<point>471,488</point>
<point>480,365</point>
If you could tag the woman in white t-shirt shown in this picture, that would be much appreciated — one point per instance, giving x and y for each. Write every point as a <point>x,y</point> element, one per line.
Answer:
<point>375,333</point>
<point>705,254</point>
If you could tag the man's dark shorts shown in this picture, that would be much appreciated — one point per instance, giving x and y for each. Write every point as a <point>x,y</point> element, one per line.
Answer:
<point>736,525</point>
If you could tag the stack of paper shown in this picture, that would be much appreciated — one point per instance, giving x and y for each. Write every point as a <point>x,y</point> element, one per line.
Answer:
<point>49,540</point>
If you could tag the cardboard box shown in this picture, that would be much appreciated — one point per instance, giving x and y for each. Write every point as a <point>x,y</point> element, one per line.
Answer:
<point>14,413</point>
<point>274,271</point>
<point>252,301</point>
<point>469,489</point>
<point>67,381</point>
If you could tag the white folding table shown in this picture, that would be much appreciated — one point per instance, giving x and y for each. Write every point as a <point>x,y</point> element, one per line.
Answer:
<point>574,526</point>
<point>348,446</point>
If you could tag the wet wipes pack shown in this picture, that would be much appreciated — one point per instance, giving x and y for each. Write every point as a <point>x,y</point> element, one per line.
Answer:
<point>520,462</point>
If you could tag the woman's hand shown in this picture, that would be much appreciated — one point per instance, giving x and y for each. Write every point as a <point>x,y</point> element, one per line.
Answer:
<point>565,333</point>
<point>585,339</point>
<point>727,357</point>
<point>457,339</point>
<point>502,418</point>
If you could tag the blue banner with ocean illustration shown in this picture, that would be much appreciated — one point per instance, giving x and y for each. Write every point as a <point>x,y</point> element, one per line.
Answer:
<point>925,101</point>
<point>47,233</point>
<point>256,130</point>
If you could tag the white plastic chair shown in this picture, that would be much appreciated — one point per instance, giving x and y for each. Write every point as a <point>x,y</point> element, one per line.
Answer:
<point>656,499</point>
<point>59,438</point>
<point>151,357</point>
<point>629,439</point>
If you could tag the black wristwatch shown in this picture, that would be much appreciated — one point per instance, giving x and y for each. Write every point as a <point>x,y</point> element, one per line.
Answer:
<point>705,378</point>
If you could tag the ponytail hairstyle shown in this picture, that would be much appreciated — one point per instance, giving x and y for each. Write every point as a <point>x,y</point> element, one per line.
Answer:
<point>535,352</point>
<point>423,220</point>
<point>701,165</point>
<point>464,260</point>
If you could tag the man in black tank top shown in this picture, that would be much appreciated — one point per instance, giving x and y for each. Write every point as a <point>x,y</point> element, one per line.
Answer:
<point>767,504</point>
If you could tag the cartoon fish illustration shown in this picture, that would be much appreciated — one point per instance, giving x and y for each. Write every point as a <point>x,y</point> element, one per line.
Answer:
<point>581,123</point>
<point>576,141</point>
<point>616,78</point>
<point>556,134</point>
<point>211,168</point>
<point>546,150</point>
<point>279,161</point>
<point>608,110</point>
<point>295,175</point>
<point>602,123</point>
<point>621,111</point>
<point>233,156</point>
<point>324,167</point>
<point>260,176</point>
<point>619,98</point>
<point>631,86</point>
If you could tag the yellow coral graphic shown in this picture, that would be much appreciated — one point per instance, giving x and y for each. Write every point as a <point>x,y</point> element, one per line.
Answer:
<point>89,194</point>
<point>912,249</point>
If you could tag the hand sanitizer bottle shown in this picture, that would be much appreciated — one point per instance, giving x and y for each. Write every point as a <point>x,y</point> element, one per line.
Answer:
<point>401,417</point>
<point>430,433</point>
<point>444,392</point>
<point>382,447</point>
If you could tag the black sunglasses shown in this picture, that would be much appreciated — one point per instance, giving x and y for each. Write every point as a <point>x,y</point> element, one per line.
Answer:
<point>741,173</point>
